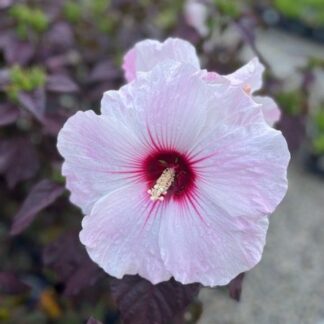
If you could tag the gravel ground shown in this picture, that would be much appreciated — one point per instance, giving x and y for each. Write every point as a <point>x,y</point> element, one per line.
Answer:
<point>288,285</point>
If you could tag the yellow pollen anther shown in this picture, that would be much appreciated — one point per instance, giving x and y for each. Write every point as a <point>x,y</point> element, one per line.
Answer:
<point>247,88</point>
<point>163,183</point>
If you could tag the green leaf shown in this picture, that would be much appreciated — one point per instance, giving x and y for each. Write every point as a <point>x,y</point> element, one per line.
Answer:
<point>27,17</point>
<point>290,102</point>
<point>318,144</point>
<point>72,11</point>
<point>319,120</point>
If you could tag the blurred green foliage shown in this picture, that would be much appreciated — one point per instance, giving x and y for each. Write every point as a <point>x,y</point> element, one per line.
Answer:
<point>166,18</point>
<point>28,18</point>
<point>24,79</point>
<point>318,124</point>
<point>72,11</point>
<point>318,144</point>
<point>231,8</point>
<point>309,11</point>
<point>97,7</point>
<point>95,10</point>
<point>290,102</point>
<point>319,120</point>
<point>316,62</point>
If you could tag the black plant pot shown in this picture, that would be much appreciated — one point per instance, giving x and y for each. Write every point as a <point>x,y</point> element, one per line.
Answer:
<point>315,164</point>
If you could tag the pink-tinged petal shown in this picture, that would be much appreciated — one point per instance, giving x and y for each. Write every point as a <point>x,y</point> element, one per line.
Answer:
<point>230,106</point>
<point>270,109</point>
<point>129,65</point>
<point>200,242</point>
<point>168,106</point>
<point>243,164</point>
<point>216,80</point>
<point>219,229</point>
<point>148,53</point>
<point>211,77</point>
<point>249,76</point>
<point>121,234</point>
<point>100,156</point>
<point>247,178</point>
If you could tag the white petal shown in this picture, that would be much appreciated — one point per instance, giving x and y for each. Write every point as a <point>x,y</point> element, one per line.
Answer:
<point>269,108</point>
<point>168,106</point>
<point>121,234</point>
<point>202,243</point>
<point>148,53</point>
<point>250,75</point>
<point>243,166</point>
<point>100,156</point>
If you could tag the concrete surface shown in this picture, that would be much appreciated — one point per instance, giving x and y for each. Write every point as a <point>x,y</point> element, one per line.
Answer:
<point>288,285</point>
<point>287,54</point>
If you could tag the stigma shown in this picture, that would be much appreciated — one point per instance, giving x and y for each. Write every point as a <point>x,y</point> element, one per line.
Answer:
<point>247,88</point>
<point>162,185</point>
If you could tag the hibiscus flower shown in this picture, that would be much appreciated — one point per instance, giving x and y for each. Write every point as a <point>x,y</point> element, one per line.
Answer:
<point>146,54</point>
<point>177,176</point>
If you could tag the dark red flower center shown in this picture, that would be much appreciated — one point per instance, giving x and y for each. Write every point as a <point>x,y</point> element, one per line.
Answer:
<point>184,175</point>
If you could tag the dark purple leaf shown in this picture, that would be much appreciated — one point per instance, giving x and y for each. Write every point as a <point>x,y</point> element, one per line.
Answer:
<point>18,160</point>
<point>5,3</point>
<point>183,30</point>
<point>61,83</point>
<point>6,152</point>
<point>8,114</point>
<point>17,51</point>
<point>54,122</point>
<point>58,62</point>
<point>68,258</point>
<point>34,102</point>
<point>103,71</point>
<point>42,195</point>
<point>92,320</point>
<point>3,40</point>
<point>84,276</point>
<point>10,284</point>
<point>235,287</point>
<point>60,36</point>
<point>139,301</point>
<point>293,129</point>
<point>97,91</point>
<point>54,9</point>
<point>4,78</point>
<point>63,255</point>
